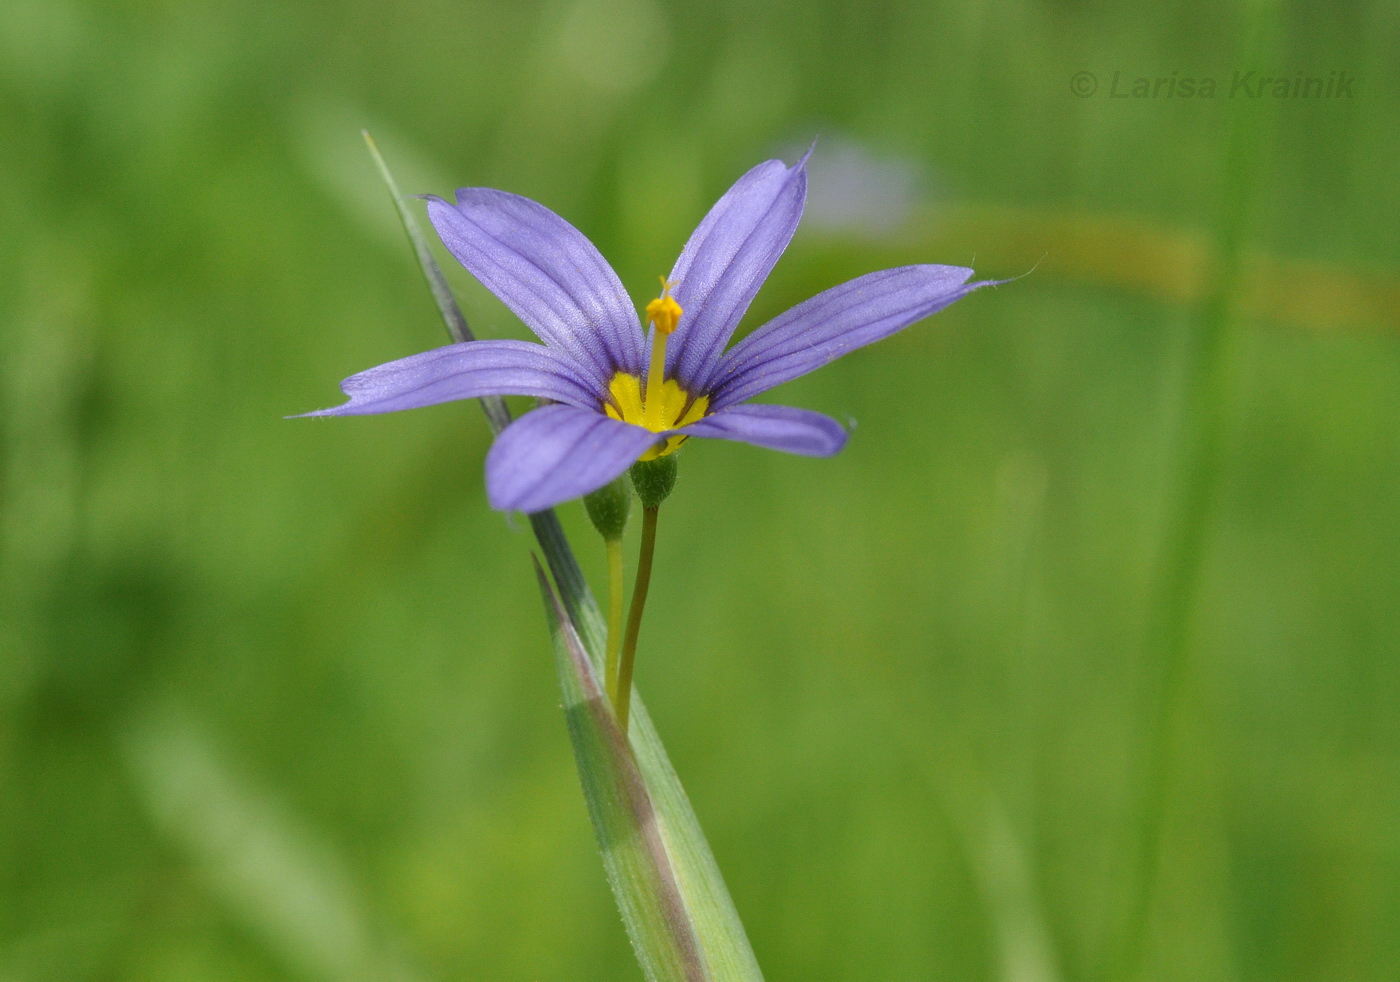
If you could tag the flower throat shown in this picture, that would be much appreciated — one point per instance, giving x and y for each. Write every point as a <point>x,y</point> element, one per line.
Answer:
<point>663,404</point>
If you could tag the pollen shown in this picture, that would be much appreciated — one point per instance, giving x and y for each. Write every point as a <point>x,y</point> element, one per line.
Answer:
<point>664,312</point>
<point>677,409</point>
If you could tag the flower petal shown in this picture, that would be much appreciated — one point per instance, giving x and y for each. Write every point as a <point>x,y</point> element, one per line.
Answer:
<point>547,272</point>
<point>467,371</point>
<point>830,324</point>
<point>727,259</point>
<point>556,453</point>
<point>798,431</point>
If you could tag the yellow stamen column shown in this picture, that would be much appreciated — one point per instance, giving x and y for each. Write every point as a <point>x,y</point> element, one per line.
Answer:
<point>655,402</point>
<point>653,479</point>
<point>664,313</point>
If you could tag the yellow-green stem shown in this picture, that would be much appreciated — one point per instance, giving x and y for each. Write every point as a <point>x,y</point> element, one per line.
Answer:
<point>634,617</point>
<point>614,547</point>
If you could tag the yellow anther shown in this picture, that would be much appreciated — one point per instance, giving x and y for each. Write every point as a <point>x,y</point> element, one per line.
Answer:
<point>664,312</point>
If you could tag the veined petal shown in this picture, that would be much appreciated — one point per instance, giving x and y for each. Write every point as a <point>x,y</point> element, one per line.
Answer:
<point>727,259</point>
<point>556,453</point>
<point>798,431</point>
<point>548,273</point>
<point>830,324</point>
<point>467,371</point>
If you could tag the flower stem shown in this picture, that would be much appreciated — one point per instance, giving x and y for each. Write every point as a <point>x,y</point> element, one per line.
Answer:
<point>634,617</point>
<point>615,588</point>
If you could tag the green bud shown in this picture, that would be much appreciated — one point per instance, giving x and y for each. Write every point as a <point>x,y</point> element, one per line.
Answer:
<point>608,508</point>
<point>654,480</point>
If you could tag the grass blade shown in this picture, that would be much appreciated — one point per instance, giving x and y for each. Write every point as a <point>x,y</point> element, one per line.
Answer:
<point>494,406</point>
<point>578,600</point>
<point>723,940</point>
<point>624,819</point>
<point>722,937</point>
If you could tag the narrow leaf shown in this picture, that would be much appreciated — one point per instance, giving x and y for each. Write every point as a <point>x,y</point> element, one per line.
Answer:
<point>624,819</point>
<point>722,937</point>
<point>578,601</point>
<point>494,406</point>
<point>726,948</point>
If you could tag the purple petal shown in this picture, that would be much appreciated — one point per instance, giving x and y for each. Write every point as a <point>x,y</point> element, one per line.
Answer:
<point>798,431</point>
<point>544,270</point>
<point>725,262</point>
<point>842,319</point>
<point>556,453</point>
<point>467,371</point>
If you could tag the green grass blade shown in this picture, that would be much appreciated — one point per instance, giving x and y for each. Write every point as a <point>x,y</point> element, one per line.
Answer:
<point>1207,384</point>
<point>726,948</point>
<point>624,819</point>
<point>722,937</point>
<point>452,316</point>
<point>578,600</point>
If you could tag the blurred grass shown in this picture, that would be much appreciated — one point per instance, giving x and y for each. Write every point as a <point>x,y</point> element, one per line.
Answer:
<point>901,686</point>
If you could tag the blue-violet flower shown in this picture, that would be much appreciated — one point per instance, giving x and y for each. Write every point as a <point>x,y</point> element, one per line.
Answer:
<point>608,402</point>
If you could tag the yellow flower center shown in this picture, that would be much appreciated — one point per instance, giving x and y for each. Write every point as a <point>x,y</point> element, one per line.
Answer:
<point>676,409</point>
<point>663,405</point>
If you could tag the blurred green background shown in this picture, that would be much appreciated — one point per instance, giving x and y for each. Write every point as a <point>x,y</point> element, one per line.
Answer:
<point>277,699</point>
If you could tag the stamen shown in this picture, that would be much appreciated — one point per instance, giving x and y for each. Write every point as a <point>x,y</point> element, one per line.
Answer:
<point>664,313</point>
